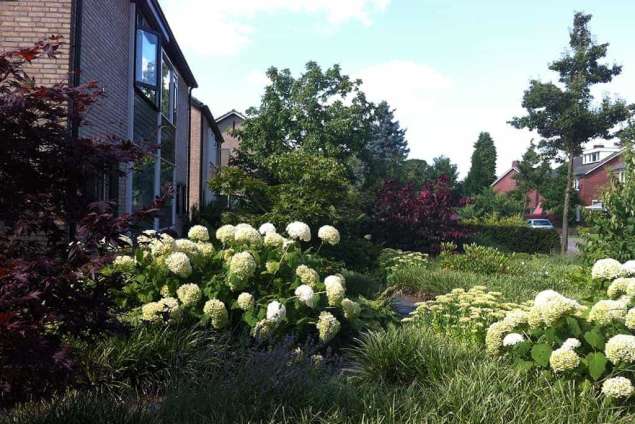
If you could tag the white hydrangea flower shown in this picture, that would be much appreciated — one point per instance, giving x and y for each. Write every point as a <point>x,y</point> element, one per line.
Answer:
<point>494,336</point>
<point>351,309</point>
<point>299,231</point>
<point>217,312</point>
<point>263,329</point>
<point>274,240</point>
<point>629,268</point>
<point>620,349</point>
<point>186,246</point>
<point>164,245</point>
<point>606,311</point>
<point>146,237</point>
<point>245,301</point>
<point>198,233</point>
<point>165,291</point>
<point>630,319</point>
<point>276,311</point>
<point>563,360</point>
<point>205,249</point>
<point>307,275</point>
<point>617,387</point>
<point>246,234</point>
<point>170,306</point>
<point>306,295</point>
<point>606,269</point>
<point>517,317</point>
<point>225,234</point>
<point>334,292</point>
<point>620,287</point>
<point>512,339</point>
<point>179,264</point>
<point>124,263</point>
<point>152,312</point>
<point>328,326</point>
<point>571,344</point>
<point>337,278</point>
<point>549,306</point>
<point>189,294</point>
<point>242,265</point>
<point>329,234</point>
<point>267,228</point>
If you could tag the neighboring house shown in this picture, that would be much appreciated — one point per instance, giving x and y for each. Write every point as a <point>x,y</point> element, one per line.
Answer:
<point>593,171</point>
<point>507,183</point>
<point>205,155</point>
<point>228,124</point>
<point>128,48</point>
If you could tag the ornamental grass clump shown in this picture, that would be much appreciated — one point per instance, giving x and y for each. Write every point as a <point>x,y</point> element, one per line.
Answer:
<point>574,341</point>
<point>248,281</point>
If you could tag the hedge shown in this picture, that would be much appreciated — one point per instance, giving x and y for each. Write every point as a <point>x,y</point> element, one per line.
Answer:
<point>515,238</point>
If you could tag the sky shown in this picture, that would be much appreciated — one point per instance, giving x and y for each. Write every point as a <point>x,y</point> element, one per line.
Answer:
<point>449,68</point>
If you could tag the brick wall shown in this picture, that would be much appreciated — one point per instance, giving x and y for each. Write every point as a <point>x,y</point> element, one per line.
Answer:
<point>195,159</point>
<point>593,184</point>
<point>506,184</point>
<point>26,21</point>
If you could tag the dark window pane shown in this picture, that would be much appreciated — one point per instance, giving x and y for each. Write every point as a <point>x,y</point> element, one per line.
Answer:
<point>143,185</point>
<point>168,135</point>
<point>167,178</point>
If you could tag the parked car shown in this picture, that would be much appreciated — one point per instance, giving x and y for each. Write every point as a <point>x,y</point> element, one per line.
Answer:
<point>543,224</point>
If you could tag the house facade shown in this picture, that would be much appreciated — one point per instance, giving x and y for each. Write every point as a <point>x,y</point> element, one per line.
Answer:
<point>205,155</point>
<point>228,124</point>
<point>128,48</point>
<point>507,183</point>
<point>593,171</point>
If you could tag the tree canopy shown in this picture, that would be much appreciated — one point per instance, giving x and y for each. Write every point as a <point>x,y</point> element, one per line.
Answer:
<point>483,169</point>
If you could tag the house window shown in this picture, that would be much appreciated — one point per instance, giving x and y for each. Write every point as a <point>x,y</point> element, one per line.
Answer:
<point>166,175</point>
<point>621,176</point>
<point>169,90</point>
<point>147,63</point>
<point>591,157</point>
<point>576,184</point>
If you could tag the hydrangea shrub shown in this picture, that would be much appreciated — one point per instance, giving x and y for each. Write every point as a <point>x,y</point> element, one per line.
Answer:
<point>250,281</point>
<point>556,333</point>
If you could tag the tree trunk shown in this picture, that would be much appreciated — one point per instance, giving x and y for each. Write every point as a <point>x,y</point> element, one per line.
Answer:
<point>564,239</point>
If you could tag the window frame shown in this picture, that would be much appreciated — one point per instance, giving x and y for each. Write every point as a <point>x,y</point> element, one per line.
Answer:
<point>173,89</point>
<point>140,85</point>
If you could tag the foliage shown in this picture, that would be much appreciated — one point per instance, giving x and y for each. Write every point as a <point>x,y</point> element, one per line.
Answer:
<point>553,189</point>
<point>419,220</point>
<point>392,261</point>
<point>419,172</point>
<point>477,259</point>
<point>532,173</point>
<point>491,205</point>
<point>388,146</point>
<point>611,232</point>
<point>49,289</point>
<point>463,313</point>
<point>483,169</point>
<point>565,114</point>
<point>511,236</point>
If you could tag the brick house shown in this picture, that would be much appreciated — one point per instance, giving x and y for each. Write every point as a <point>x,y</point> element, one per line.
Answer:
<point>593,171</point>
<point>205,154</point>
<point>129,49</point>
<point>507,183</point>
<point>228,124</point>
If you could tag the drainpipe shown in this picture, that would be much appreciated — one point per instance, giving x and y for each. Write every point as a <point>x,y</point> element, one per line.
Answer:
<point>189,153</point>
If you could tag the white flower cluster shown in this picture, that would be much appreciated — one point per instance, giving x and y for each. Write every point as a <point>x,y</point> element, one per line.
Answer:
<point>607,269</point>
<point>329,234</point>
<point>187,246</point>
<point>217,312</point>
<point>274,240</point>
<point>245,301</point>
<point>629,321</point>
<point>198,233</point>
<point>307,296</point>
<point>163,245</point>
<point>206,249</point>
<point>549,307</point>
<point>564,359</point>
<point>621,287</point>
<point>628,268</point>
<point>189,294</point>
<point>620,349</point>
<point>618,388</point>
<point>328,326</point>
<point>276,312</point>
<point>308,275</point>
<point>242,265</point>
<point>124,263</point>
<point>512,339</point>
<point>248,235</point>
<point>267,228</point>
<point>179,264</point>
<point>606,311</point>
<point>225,234</point>
<point>299,231</point>
<point>156,311</point>
<point>335,290</point>
<point>351,309</point>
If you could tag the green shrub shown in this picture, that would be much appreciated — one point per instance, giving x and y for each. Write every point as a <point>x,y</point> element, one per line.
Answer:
<point>367,285</point>
<point>418,280</point>
<point>477,259</point>
<point>515,238</point>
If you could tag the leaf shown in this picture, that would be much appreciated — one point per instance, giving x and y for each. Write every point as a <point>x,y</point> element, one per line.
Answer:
<point>597,365</point>
<point>523,366</point>
<point>595,339</point>
<point>574,326</point>
<point>541,353</point>
<point>250,319</point>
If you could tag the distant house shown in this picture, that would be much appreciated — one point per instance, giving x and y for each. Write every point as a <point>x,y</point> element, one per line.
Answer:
<point>228,124</point>
<point>507,183</point>
<point>205,154</point>
<point>593,171</point>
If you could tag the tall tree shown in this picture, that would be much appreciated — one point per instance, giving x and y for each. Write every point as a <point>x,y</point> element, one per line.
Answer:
<point>443,166</point>
<point>483,169</point>
<point>532,172</point>
<point>388,147</point>
<point>565,114</point>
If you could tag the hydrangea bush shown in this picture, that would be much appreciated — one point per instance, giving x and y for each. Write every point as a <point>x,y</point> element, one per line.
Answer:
<point>254,281</point>
<point>464,313</point>
<point>595,343</point>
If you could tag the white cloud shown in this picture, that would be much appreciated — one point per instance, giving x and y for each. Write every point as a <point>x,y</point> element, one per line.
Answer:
<point>224,27</point>
<point>438,116</point>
